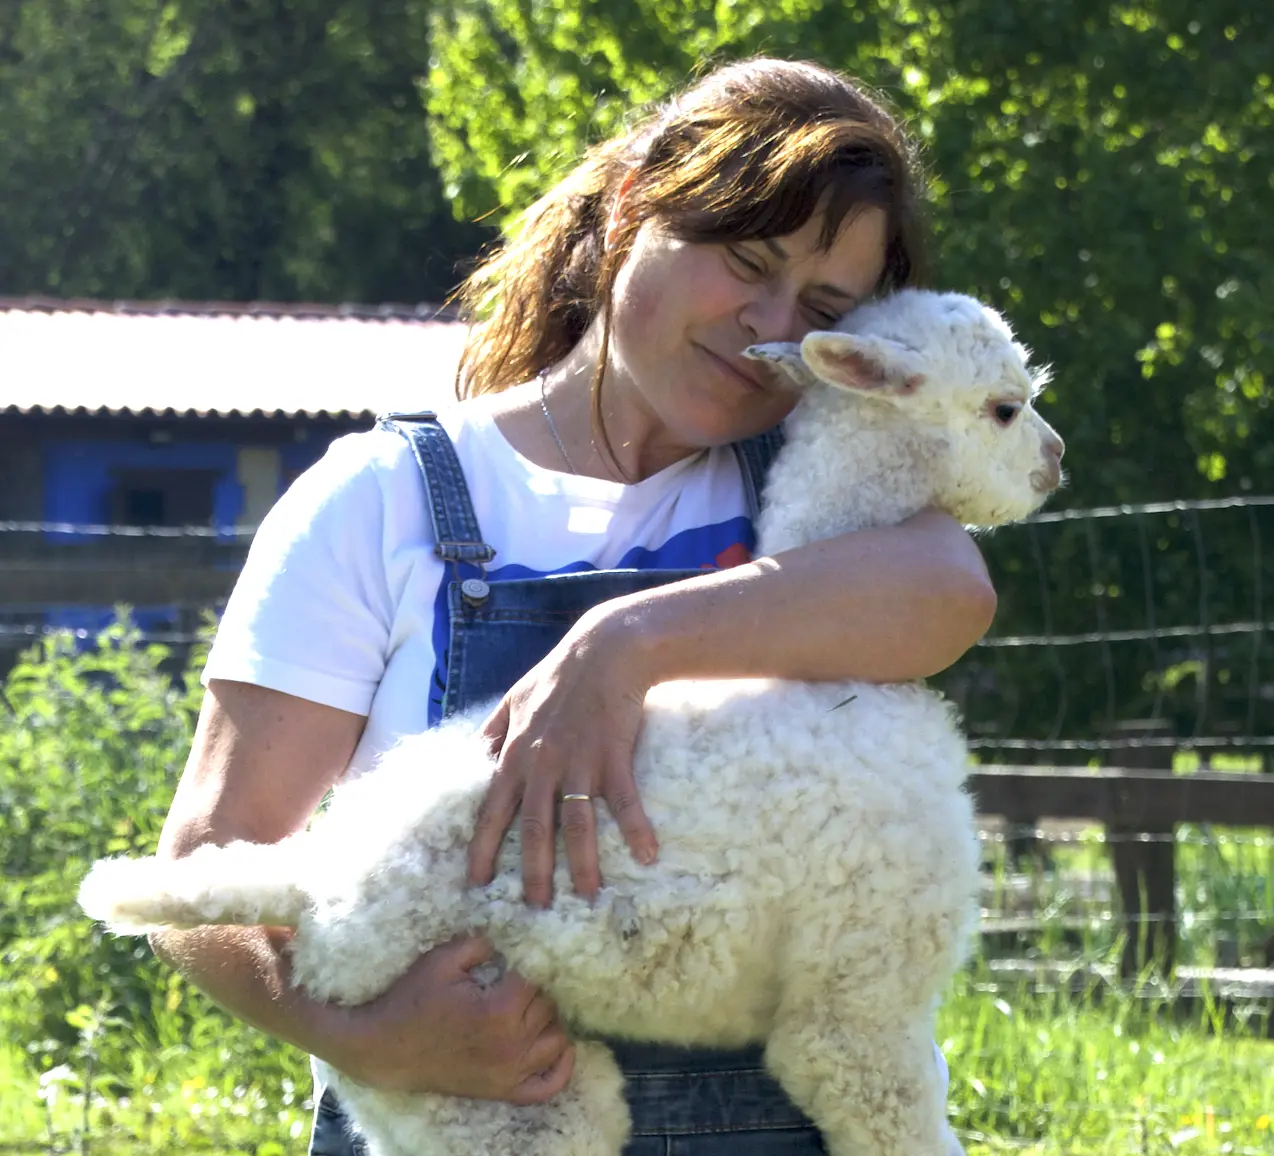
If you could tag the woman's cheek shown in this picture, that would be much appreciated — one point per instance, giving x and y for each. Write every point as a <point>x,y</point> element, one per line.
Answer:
<point>644,288</point>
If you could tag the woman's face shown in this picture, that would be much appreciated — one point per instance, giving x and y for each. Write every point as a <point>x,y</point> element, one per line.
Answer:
<point>684,312</point>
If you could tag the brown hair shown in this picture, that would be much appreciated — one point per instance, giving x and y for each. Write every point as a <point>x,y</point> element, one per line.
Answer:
<point>751,151</point>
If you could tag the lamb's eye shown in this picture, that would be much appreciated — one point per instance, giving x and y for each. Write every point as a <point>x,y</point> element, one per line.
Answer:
<point>1006,411</point>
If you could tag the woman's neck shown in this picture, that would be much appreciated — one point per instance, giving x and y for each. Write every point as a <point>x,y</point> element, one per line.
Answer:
<point>635,444</point>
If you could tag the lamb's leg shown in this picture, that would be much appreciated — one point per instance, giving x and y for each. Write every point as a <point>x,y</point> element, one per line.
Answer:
<point>588,1118</point>
<point>872,1087</point>
<point>853,1036</point>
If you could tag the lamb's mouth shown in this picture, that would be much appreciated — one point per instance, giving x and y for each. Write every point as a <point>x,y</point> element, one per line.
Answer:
<point>1046,480</point>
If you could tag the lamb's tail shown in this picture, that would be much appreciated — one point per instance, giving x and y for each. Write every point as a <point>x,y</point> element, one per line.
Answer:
<point>242,883</point>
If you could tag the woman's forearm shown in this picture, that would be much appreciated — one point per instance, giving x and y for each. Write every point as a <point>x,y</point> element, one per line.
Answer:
<point>259,763</point>
<point>882,605</point>
<point>246,971</point>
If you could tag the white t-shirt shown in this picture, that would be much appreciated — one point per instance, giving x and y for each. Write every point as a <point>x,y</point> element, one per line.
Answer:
<point>342,601</point>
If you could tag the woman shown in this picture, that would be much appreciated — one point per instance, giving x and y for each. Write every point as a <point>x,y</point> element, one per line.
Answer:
<point>610,425</point>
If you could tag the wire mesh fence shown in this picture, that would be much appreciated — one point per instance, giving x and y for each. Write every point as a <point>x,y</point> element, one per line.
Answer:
<point>1126,636</point>
<point>1063,902</point>
<point>1156,613</point>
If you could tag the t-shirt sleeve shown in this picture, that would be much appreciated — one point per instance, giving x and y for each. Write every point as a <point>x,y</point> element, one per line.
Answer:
<point>311,612</point>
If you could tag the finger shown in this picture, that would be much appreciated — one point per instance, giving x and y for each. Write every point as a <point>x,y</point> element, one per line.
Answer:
<point>495,815</point>
<point>465,952</point>
<point>496,728</point>
<point>539,1015</point>
<point>579,833</point>
<point>544,1050</point>
<point>539,834</point>
<point>513,995</point>
<point>625,804</point>
<point>544,1085</point>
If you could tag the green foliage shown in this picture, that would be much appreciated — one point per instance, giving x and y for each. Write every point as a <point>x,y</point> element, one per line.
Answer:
<point>248,150</point>
<point>1099,1073</point>
<point>1045,1075</point>
<point>1102,174</point>
<point>1099,171</point>
<point>211,1100</point>
<point>90,749</point>
<point>92,742</point>
<point>1102,166</point>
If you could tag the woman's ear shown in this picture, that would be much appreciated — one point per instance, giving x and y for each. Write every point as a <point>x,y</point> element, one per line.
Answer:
<point>619,208</point>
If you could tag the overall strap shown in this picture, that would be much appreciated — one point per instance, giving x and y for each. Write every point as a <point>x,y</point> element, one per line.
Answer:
<point>457,537</point>
<point>755,456</point>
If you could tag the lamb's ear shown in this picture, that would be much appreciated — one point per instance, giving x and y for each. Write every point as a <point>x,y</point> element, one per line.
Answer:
<point>787,356</point>
<point>870,364</point>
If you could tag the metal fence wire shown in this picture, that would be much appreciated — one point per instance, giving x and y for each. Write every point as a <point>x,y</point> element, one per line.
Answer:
<point>1152,613</point>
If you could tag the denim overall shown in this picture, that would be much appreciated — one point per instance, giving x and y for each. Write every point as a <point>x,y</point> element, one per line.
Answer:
<point>683,1103</point>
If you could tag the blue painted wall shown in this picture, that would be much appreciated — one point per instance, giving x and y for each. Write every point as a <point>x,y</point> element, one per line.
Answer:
<point>77,475</point>
<point>78,483</point>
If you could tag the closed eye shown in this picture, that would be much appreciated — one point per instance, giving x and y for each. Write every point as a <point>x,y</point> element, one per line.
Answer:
<point>743,261</point>
<point>824,318</point>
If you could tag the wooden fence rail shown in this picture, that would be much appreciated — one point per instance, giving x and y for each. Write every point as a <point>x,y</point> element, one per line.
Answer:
<point>1140,810</point>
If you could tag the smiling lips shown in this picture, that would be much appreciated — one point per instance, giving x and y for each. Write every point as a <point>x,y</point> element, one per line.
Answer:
<point>740,375</point>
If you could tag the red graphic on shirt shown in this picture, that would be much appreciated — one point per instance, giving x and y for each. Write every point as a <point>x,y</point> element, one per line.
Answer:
<point>734,555</point>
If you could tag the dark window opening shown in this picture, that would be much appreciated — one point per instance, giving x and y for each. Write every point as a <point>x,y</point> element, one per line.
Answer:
<point>163,497</point>
<point>144,507</point>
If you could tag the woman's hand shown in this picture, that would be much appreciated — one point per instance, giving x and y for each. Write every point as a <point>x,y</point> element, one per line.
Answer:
<point>437,1029</point>
<point>568,727</point>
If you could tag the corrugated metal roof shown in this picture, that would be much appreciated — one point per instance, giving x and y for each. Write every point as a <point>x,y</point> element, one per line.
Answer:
<point>223,358</point>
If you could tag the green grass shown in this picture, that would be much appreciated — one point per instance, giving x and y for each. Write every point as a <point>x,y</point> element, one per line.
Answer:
<point>1098,1073</point>
<point>1067,1075</point>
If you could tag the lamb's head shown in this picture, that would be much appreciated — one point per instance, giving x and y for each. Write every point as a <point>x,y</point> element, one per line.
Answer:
<point>946,365</point>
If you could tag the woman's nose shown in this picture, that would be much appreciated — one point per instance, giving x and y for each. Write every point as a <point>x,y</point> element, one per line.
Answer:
<point>771,315</point>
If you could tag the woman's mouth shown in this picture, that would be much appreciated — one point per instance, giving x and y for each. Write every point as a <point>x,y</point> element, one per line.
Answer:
<point>738,375</point>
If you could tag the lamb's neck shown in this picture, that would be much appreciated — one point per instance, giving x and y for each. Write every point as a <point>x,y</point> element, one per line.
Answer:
<point>845,465</point>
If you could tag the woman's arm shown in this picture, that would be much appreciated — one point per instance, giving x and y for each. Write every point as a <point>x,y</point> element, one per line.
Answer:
<point>260,763</point>
<point>881,605</point>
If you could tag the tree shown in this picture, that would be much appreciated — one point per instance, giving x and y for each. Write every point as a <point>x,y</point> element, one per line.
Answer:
<point>251,149</point>
<point>1119,226</point>
<point>1100,172</point>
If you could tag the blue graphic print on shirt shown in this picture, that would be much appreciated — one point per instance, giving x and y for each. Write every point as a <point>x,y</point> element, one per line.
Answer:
<point>715,547</point>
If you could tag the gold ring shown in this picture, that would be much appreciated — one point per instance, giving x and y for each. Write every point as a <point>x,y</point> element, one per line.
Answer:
<point>577,798</point>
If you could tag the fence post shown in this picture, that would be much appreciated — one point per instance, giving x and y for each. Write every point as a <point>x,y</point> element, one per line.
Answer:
<point>1145,868</point>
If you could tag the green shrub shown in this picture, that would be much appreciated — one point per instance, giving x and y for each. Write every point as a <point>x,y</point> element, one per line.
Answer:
<point>92,743</point>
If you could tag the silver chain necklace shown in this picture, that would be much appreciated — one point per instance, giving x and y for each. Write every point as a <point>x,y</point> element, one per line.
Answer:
<point>548,417</point>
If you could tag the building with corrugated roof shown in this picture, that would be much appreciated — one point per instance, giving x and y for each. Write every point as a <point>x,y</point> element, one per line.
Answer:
<point>184,421</point>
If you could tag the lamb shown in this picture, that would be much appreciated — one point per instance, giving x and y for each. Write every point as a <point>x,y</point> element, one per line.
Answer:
<point>818,870</point>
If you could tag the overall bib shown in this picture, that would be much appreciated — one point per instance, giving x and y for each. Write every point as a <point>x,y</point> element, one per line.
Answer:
<point>683,1102</point>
